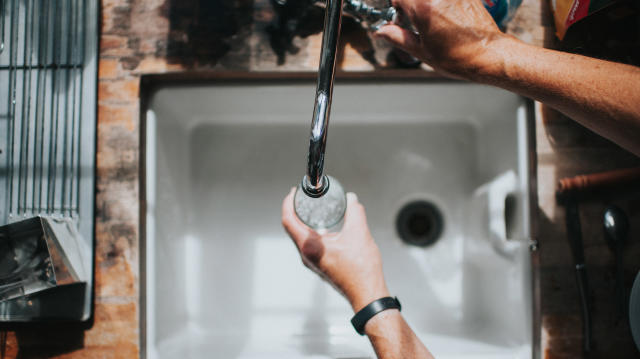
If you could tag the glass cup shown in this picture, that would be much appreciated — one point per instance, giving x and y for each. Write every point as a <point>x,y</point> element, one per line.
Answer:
<point>324,212</point>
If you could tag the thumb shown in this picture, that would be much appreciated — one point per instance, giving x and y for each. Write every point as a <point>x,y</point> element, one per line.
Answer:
<point>355,214</point>
<point>405,39</point>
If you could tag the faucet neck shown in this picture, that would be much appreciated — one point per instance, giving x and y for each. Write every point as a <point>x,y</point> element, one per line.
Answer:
<point>313,182</point>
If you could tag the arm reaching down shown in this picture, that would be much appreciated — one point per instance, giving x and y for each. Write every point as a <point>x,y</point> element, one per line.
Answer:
<point>460,39</point>
<point>351,262</point>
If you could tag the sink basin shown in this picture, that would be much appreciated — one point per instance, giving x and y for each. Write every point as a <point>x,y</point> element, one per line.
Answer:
<point>221,279</point>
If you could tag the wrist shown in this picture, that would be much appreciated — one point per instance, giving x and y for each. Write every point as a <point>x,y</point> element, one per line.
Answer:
<point>381,319</point>
<point>364,296</point>
<point>492,66</point>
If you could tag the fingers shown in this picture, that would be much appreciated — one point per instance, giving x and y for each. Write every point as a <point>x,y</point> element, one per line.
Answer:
<point>405,39</point>
<point>297,230</point>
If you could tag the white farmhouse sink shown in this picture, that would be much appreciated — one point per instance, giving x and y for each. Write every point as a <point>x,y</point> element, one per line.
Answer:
<point>223,280</point>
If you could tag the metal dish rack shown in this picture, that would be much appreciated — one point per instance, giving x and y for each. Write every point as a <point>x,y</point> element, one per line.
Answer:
<point>48,74</point>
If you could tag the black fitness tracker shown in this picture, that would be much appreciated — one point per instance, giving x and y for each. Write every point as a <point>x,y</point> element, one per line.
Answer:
<point>362,317</point>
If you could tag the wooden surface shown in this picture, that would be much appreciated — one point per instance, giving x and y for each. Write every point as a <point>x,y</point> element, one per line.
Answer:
<point>159,36</point>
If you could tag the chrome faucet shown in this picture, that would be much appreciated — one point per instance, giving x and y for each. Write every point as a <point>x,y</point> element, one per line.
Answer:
<point>315,183</point>
<point>320,201</point>
<point>373,17</point>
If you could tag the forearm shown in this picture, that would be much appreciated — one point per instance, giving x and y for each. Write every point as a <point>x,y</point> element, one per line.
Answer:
<point>392,337</point>
<point>388,332</point>
<point>601,95</point>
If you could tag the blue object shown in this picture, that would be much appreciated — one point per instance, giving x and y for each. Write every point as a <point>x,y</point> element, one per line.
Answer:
<point>502,11</point>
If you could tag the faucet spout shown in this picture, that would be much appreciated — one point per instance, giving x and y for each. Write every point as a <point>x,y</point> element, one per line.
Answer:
<point>315,184</point>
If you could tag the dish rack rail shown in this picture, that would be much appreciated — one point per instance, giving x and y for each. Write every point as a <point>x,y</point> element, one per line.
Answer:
<point>47,109</point>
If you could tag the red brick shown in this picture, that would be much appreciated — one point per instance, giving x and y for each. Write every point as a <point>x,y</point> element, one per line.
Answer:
<point>125,115</point>
<point>114,45</point>
<point>126,90</point>
<point>109,69</point>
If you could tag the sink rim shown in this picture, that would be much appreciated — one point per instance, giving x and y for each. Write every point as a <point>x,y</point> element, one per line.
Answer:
<point>152,83</point>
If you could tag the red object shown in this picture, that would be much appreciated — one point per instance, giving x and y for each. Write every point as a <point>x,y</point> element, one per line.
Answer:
<point>579,10</point>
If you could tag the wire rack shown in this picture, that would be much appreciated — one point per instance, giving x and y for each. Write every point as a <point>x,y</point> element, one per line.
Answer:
<point>44,89</point>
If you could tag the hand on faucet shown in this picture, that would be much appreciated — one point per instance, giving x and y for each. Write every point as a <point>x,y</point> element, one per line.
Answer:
<point>452,36</point>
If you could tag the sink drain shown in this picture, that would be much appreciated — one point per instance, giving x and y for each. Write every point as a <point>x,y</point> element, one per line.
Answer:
<point>419,223</point>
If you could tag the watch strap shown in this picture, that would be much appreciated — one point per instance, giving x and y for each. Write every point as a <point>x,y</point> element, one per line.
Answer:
<point>361,318</point>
